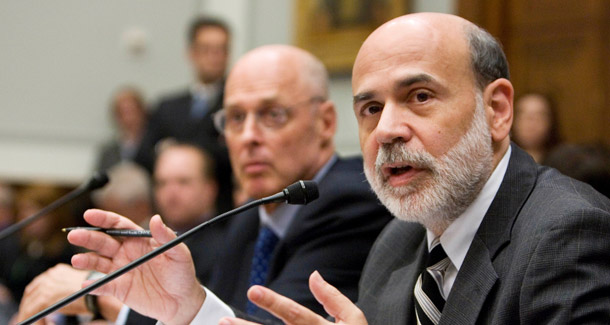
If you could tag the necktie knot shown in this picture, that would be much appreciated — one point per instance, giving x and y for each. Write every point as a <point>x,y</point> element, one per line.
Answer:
<point>436,255</point>
<point>429,301</point>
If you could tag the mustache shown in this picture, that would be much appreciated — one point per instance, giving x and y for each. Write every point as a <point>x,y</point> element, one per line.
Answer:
<point>390,153</point>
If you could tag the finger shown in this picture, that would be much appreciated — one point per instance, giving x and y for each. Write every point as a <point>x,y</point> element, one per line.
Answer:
<point>335,303</point>
<point>92,261</point>
<point>108,219</point>
<point>94,240</point>
<point>283,308</point>
<point>162,234</point>
<point>234,321</point>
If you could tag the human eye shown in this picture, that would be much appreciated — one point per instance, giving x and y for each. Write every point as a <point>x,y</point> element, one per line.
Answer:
<point>371,109</point>
<point>235,118</point>
<point>275,116</point>
<point>420,96</point>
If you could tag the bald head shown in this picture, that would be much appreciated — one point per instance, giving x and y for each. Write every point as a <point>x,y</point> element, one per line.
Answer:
<point>288,63</point>
<point>279,122</point>
<point>471,44</point>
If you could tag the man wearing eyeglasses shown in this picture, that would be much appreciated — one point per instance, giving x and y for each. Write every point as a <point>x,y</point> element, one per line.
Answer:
<point>279,127</point>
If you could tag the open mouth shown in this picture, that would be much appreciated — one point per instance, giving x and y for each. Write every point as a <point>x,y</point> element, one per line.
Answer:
<point>394,171</point>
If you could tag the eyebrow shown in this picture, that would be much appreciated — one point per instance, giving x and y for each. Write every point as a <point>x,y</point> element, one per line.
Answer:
<point>406,82</point>
<point>409,81</point>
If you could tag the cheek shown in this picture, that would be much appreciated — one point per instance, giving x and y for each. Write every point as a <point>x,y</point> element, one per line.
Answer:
<point>369,147</point>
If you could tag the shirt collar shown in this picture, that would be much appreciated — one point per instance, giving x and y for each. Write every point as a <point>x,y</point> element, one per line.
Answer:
<point>458,236</point>
<point>282,217</point>
<point>208,91</point>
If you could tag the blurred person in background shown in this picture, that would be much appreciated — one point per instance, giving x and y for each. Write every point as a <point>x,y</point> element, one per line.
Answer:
<point>589,163</point>
<point>185,191</point>
<point>129,192</point>
<point>128,111</point>
<point>187,115</point>
<point>535,127</point>
<point>41,243</point>
<point>8,251</point>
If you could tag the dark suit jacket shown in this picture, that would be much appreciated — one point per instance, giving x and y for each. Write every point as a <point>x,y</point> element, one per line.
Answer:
<point>109,155</point>
<point>172,119</point>
<point>332,235</point>
<point>541,254</point>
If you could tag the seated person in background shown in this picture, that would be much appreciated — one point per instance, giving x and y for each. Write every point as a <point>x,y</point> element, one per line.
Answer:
<point>8,251</point>
<point>483,234</point>
<point>41,243</point>
<point>128,111</point>
<point>185,192</point>
<point>587,163</point>
<point>128,192</point>
<point>279,127</point>
<point>536,127</point>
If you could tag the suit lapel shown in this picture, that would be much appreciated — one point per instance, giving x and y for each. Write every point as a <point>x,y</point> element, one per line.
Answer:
<point>397,298</point>
<point>472,286</point>
<point>477,276</point>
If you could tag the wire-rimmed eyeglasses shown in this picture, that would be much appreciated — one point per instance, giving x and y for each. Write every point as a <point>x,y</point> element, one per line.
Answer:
<point>272,117</point>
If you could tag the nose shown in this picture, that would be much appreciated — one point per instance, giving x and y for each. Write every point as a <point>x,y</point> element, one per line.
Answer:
<point>251,131</point>
<point>393,125</point>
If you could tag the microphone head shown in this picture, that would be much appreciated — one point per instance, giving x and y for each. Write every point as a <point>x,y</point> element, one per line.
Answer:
<point>301,192</point>
<point>98,180</point>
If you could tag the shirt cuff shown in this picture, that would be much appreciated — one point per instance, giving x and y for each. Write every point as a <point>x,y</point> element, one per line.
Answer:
<point>212,310</point>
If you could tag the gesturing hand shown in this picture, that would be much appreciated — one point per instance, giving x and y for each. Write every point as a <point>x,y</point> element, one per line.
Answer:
<point>335,304</point>
<point>164,288</point>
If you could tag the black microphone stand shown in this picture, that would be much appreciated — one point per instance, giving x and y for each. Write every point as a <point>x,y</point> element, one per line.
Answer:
<point>279,197</point>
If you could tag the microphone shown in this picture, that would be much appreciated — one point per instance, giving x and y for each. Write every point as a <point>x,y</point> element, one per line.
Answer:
<point>301,192</point>
<point>98,180</point>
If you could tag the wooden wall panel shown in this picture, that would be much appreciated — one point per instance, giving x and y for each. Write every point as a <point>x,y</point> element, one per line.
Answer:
<point>560,47</point>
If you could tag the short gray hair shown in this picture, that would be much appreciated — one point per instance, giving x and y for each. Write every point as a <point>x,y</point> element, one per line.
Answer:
<point>486,55</point>
<point>129,183</point>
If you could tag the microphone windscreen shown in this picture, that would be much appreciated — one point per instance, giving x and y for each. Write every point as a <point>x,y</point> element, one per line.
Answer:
<point>98,180</point>
<point>301,192</point>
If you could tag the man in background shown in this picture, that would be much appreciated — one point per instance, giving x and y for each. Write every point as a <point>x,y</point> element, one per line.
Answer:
<point>279,127</point>
<point>187,116</point>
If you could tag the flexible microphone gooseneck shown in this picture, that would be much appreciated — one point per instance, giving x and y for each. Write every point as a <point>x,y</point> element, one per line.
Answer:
<point>98,180</point>
<point>301,192</point>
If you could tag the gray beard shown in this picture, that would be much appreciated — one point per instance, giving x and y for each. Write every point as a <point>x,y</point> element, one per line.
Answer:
<point>451,182</point>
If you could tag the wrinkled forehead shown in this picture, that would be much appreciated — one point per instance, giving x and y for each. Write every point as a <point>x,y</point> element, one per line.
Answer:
<point>400,43</point>
<point>260,80</point>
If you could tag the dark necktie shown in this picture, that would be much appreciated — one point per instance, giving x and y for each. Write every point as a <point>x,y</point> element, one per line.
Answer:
<point>429,302</point>
<point>263,249</point>
<point>199,106</point>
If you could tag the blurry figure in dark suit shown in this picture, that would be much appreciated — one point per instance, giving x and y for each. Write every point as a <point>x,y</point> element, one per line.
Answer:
<point>535,126</point>
<point>128,110</point>
<point>41,243</point>
<point>585,162</point>
<point>8,251</point>
<point>187,115</point>
<point>129,192</point>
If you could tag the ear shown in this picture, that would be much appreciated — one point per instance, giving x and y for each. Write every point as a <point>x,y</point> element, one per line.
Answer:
<point>498,99</point>
<point>327,121</point>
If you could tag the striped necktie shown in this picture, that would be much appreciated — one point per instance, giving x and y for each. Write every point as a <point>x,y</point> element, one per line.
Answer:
<point>429,301</point>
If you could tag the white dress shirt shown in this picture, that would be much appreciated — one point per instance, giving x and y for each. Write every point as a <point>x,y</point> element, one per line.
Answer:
<point>458,236</point>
